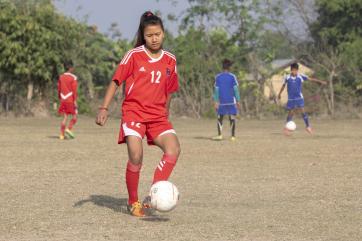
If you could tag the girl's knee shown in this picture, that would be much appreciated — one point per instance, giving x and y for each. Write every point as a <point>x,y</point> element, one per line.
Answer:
<point>135,158</point>
<point>174,150</point>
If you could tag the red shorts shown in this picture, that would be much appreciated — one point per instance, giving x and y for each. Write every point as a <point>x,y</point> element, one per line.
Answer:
<point>151,130</point>
<point>67,108</point>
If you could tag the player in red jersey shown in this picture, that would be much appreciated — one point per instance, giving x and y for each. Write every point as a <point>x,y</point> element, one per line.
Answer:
<point>67,93</point>
<point>150,78</point>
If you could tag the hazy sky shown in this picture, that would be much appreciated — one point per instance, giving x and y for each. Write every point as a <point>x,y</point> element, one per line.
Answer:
<point>124,12</point>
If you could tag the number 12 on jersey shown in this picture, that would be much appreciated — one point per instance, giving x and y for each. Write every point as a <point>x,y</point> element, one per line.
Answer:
<point>156,77</point>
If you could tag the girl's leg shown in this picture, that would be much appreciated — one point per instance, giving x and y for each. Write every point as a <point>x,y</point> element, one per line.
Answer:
<point>305,117</point>
<point>219,128</point>
<point>219,124</point>
<point>232,119</point>
<point>72,122</point>
<point>63,125</point>
<point>306,120</point>
<point>290,115</point>
<point>171,148</point>
<point>135,154</point>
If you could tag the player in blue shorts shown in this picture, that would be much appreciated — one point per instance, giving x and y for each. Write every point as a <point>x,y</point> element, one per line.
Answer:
<point>227,98</point>
<point>294,82</point>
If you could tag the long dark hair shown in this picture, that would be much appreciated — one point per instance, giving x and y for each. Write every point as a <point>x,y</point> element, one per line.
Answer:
<point>148,18</point>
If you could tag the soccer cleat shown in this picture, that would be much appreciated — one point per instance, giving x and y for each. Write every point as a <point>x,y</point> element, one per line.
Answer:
<point>233,138</point>
<point>69,133</point>
<point>217,138</point>
<point>136,209</point>
<point>309,130</point>
<point>147,207</point>
<point>147,202</point>
<point>61,137</point>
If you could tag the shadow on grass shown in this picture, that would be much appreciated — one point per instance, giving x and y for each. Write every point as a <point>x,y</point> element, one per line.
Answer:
<point>203,138</point>
<point>57,137</point>
<point>117,205</point>
<point>155,218</point>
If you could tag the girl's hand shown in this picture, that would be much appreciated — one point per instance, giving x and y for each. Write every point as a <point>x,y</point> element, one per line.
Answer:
<point>102,116</point>
<point>238,105</point>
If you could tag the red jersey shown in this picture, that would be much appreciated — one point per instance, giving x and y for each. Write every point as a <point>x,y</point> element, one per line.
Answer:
<point>67,87</point>
<point>149,82</point>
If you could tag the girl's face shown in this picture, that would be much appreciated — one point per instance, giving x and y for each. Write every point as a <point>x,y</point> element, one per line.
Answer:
<point>154,36</point>
<point>294,71</point>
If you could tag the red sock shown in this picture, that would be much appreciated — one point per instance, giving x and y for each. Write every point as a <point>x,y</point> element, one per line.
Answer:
<point>132,178</point>
<point>164,168</point>
<point>72,123</point>
<point>62,128</point>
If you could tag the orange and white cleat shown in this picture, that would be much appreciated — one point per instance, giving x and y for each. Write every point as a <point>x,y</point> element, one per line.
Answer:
<point>136,209</point>
<point>147,207</point>
<point>309,130</point>
<point>147,202</point>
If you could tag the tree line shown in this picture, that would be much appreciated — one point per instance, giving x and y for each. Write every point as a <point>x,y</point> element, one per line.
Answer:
<point>36,39</point>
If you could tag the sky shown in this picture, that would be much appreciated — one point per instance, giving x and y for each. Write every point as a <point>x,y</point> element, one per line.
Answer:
<point>126,13</point>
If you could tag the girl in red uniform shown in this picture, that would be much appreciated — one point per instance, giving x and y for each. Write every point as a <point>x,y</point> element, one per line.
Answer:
<point>67,93</point>
<point>150,77</point>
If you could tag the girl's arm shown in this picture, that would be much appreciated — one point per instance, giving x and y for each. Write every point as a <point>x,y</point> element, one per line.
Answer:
<point>237,95</point>
<point>317,81</point>
<point>102,115</point>
<point>216,97</point>
<point>75,91</point>
<point>281,91</point>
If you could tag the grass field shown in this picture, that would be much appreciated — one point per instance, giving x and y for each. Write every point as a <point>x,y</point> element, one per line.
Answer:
<point>263,187</point>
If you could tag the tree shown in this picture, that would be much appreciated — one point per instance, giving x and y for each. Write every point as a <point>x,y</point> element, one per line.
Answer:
<point>333,44</point>
<point>338,21</point>
<point>327,61</point>
<point>232,29</point>
<point>26,44</point>
<point>35,41</point>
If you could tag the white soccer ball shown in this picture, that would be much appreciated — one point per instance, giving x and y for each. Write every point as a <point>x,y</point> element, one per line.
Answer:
<point>291,126</point>
<point>164,196</point>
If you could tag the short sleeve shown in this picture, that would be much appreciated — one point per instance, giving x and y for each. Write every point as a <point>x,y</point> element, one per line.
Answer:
<point>216,84</point>
<point>304,77</point>
<point>124,69</point>
<point>285,81</point>
<point>173,85</point>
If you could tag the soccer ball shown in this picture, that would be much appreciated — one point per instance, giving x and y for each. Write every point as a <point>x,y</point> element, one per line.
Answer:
<point>291,126</point>
<point>164,196</point>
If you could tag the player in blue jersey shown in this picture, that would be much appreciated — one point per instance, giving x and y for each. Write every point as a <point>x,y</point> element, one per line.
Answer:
<point>294,82</point>
<point>227,98</point>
